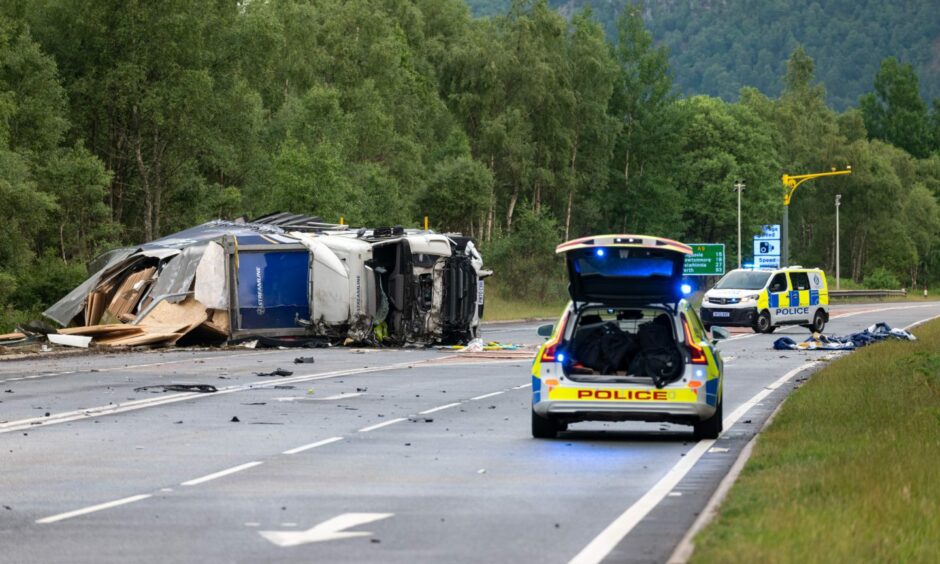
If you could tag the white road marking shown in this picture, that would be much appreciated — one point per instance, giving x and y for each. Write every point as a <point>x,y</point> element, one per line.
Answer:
<point>610,537</point>
<point>439,408</point>
<point>529,385</point>
<point>339,396</point>
<point>383,424</point>
<point>312,445</point>
<point>222,473</point>
<point>331,529</point>
<point>327,398</point>
<point>65,417</point>
<point>91,509</point>
<point>484,396</point>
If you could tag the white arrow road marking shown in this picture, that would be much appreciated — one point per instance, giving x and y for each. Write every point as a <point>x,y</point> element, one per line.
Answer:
<point>331,529</point>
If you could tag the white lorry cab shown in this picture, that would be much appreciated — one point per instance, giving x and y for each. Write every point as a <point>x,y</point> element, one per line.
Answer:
<point>768,298</point>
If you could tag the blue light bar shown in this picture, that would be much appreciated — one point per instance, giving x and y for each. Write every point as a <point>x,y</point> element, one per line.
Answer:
<point>599,252</point>
<point>686,289</point>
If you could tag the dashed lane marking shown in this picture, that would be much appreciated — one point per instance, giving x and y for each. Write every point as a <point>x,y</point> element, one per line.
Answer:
<point>221,473</point>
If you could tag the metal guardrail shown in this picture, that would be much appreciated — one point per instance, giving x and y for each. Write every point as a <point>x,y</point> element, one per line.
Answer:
<point>865,293</point>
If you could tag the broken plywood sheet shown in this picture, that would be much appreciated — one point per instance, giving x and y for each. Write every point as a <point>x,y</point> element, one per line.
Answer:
<point>188,313</point>
<point>12,336</point>
<point>146,338</point>
<point>218,322</point>
<point>113,330</point>
<point>130,291</point>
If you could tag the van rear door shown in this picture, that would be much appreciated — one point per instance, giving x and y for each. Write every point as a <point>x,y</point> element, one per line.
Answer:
<point>624,269</point>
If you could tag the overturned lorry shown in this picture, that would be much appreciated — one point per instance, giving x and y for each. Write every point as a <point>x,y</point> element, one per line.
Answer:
<point>285,276</point>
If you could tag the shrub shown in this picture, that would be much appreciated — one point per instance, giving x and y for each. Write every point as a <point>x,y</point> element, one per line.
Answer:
<point>881,279</point>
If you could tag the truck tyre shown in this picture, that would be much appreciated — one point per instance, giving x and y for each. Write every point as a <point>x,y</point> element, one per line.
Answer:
<point>762,325</point>
<point>709,428</point>
<point>545,428</point>
<point>819,322</point>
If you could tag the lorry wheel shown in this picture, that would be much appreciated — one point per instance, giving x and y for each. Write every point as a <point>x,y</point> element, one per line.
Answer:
<point>709,428</point>
<point>762,325</point>
<point>819,322</point>
<point>545,428</point>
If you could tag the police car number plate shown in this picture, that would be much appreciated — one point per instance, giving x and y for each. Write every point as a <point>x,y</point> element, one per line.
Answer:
<point>721,313</point>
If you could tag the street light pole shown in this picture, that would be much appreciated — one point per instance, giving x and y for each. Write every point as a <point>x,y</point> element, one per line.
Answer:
<point>790,184</point>
<point>739,186</point>
<point>838,203</point>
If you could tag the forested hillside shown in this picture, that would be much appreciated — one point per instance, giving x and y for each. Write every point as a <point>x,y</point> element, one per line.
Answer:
<point>123,121</point>
<point>718,47</point>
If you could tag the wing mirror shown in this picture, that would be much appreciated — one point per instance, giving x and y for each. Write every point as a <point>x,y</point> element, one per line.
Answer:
<point>546,330</point>
<point>720,334</point>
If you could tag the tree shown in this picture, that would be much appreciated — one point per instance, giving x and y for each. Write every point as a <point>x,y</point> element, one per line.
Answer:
<point>895,112</point>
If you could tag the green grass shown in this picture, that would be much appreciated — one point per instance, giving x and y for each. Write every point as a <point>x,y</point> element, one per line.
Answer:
<point>502,308</point>
<point>849,470</point>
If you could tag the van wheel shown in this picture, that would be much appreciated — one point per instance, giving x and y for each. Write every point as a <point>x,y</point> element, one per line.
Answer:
<point>762,325</point>
<point>819,322</point>
<point>709,428</point>
<point>545,428</point>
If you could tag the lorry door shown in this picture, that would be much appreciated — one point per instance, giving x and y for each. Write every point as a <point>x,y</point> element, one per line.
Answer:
<point>778,298</point>
<point>273,288</point>
<point>800,295</point>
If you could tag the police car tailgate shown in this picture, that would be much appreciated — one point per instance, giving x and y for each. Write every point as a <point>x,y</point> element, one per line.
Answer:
<point>624,269</point>
<point>580,399</point>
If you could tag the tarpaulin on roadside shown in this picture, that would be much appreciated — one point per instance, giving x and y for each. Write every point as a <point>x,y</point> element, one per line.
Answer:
<point>873,334</point>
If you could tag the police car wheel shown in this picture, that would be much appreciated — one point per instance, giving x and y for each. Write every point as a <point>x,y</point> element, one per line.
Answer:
<point>762,325</point>
<point>819,322</point>
<point>545,428</point>
<point>709,428</point>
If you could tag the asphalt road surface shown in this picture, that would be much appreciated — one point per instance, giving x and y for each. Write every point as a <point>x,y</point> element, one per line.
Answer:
<point>366,455</point>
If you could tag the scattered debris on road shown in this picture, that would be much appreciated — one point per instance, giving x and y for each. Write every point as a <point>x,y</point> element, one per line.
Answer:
<point>304,360</point>
<point>201,388</point>
<point>278,372</point>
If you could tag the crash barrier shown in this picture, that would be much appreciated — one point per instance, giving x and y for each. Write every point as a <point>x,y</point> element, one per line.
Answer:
<point>873,334</point>
<point>281,275</point>
<point>866,293</point>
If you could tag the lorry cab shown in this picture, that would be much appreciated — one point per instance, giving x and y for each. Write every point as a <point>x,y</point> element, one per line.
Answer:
<point>768,298</point>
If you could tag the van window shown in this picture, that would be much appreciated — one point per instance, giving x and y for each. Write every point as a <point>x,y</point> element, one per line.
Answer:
<point>779,283</point>
<point>743,280</point>
<point>800,280</point>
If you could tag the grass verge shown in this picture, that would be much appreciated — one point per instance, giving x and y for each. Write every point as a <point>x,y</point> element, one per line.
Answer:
<point>848,470</point>
<point>500,307</point>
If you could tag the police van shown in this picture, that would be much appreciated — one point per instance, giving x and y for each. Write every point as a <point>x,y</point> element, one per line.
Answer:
<point>767,299</point>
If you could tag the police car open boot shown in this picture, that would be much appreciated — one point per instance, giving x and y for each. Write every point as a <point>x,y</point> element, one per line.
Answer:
<point>624,345</point>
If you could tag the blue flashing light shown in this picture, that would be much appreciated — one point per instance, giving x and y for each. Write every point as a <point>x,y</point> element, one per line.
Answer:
<point>686,289</point>
<point>560,357</point>
<point>599,252</point>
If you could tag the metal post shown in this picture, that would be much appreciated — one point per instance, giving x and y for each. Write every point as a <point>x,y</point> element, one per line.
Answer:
<point>739,186</point>
<point>838,202</point>
<point>785,238</point>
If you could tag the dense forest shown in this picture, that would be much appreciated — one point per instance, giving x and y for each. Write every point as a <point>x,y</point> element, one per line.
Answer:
<point>716,48</point>
<point>122,121</point>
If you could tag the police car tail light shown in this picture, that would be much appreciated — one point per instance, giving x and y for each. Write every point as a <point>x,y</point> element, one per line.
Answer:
<point>550,352</point>
<point>696,352</point>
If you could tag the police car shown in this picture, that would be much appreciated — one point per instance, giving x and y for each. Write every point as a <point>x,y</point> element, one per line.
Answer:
<point>767,299</point>
<point>628,346</point>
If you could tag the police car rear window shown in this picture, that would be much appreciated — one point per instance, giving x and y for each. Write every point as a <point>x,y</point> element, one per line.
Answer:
<point>614,263</point>
<point>743,280</point>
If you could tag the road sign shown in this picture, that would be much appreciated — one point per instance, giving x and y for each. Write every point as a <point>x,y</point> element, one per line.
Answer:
<point>767,247</point>
<point>707,259</point>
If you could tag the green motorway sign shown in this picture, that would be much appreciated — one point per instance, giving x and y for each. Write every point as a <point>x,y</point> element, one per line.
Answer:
<point>707,259</point>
